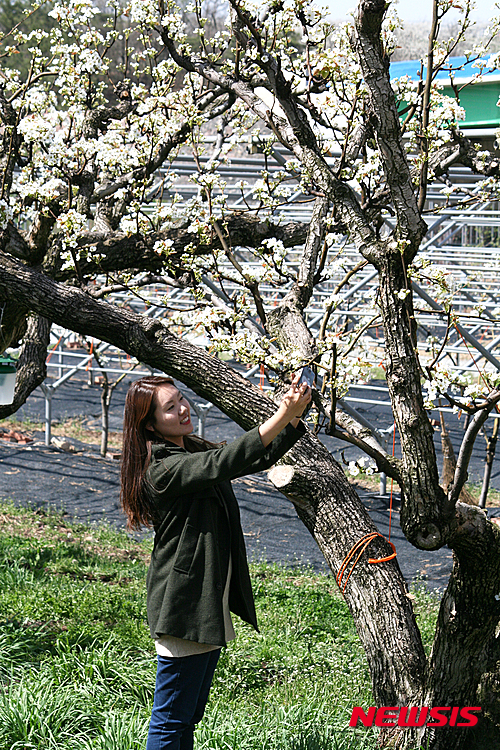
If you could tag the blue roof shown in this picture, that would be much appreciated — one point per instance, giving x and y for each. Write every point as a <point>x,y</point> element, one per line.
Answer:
<point>462,68</point>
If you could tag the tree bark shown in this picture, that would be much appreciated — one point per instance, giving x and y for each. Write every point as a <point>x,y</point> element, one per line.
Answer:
<point>465,654</point>
<point>425,511</point>
<point>367,41</point>
<point>111,252</point>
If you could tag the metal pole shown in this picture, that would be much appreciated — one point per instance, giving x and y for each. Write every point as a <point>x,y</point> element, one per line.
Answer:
<point>202,412</point>
<point>383,484</point>
<point>491,444</point>
<point>47,392</point>
<point>466,335</point>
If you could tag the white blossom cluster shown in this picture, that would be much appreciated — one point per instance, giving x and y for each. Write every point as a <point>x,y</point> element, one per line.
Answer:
<point>362,465</point>
<point>6,213</point>
<point>464,388</point>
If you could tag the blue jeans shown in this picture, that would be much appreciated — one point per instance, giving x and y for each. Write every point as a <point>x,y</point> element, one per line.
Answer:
<point>181,694</point>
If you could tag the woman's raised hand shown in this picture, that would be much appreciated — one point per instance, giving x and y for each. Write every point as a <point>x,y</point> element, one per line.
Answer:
<point>292,406</point>
<point>296,398</point>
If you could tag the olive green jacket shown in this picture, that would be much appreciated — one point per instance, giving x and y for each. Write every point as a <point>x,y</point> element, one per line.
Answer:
<point>197,528</point>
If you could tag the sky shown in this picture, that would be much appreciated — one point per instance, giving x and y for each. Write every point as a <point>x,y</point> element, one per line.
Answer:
<point>410,10</point>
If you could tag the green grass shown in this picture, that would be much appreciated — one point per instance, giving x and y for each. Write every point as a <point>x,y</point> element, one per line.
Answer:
<point>77,665</point>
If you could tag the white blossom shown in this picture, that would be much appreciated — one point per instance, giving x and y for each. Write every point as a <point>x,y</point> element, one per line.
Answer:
<point>353,468</point>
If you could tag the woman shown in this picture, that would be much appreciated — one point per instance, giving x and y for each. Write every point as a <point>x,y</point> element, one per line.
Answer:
<point>198,573</point>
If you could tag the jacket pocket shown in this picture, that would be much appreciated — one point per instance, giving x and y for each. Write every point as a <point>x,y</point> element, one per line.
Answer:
<point>186,549</point>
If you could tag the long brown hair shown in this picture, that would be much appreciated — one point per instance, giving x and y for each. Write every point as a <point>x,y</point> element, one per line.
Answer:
<point>140,406</point>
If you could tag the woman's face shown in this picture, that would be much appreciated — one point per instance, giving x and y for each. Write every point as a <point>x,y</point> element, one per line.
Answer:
<point>172,416</point>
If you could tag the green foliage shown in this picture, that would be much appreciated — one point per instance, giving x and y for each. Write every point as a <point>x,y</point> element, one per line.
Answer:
<point>77,664</point>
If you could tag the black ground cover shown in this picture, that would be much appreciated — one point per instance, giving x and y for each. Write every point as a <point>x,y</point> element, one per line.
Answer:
<point>86,486</point>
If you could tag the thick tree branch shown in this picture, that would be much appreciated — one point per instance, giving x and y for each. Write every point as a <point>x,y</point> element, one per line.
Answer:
<point>14,242</point>
<point>425,510</point>
<point>460,150</point>
<point>426,107</point>
<point>97,120</point>
<point>116,251</point>
<point>40,230</point>
<point>286,322</point>
<point>304,286</point>
<point>466,641</point>
<point>10,145</point>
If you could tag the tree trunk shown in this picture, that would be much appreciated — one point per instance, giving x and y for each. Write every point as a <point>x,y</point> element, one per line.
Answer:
<point>469,612</point>
<point>425,511</point>
<point>332,512</point>
<point>465,659</point>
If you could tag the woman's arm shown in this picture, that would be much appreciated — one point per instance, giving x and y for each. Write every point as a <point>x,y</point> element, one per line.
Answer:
<point>178,472</point>
<point>289,411</point>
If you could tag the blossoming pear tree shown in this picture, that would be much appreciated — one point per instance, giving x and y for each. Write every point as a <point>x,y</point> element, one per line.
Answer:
<point>88,207</point>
